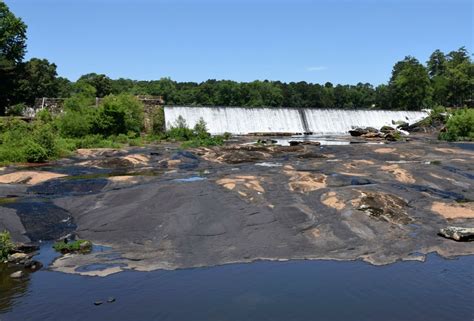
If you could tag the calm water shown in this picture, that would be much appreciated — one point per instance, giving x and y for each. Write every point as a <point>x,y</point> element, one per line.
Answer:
<point>438,289</point>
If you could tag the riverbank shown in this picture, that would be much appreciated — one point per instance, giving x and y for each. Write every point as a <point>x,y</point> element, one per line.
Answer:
<point>159,207</point>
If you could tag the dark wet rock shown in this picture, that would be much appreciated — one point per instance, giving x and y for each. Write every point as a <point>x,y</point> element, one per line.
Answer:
<point>73,185</point>
<point>266,141</point>
<point>385,207</point>
<point>358,132</point>
<point>460,234</point>
<point>360,181</point>
<point>294,143</point>
<point>304,142</point>
<point>17,274</point>
<point>403,125</point>
<point>33,265</point>
<point>26,247</point>
<point>42,219</point>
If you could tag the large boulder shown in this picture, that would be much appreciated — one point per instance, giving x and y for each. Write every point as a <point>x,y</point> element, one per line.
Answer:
<point>358,131</point>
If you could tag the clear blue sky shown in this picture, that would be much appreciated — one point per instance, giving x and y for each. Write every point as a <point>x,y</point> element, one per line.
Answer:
<point>243,40</point>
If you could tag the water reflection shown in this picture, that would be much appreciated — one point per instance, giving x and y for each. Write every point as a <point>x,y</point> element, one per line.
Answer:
<point>11,289</point>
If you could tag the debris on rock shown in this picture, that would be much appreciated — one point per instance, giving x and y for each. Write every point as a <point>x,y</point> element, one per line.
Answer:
<point>460,234</point>
<point>384,207</point>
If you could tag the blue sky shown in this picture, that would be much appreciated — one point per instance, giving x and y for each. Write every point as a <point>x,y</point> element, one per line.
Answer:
<point>315,41</point>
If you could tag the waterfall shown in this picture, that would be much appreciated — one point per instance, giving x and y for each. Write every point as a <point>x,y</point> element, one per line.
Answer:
<point>241,120</point>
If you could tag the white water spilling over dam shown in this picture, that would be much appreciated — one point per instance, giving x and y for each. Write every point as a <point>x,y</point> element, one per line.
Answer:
<point>241,120</point>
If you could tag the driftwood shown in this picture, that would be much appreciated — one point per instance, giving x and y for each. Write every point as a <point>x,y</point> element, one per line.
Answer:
<point>460,234</point>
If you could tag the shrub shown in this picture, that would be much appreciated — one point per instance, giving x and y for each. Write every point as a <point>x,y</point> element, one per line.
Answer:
<point>34,152</point>
<point>44,136</point>
<point>6,245</point>
<point>16,110</point>
<point>83,97</point>
<point>75,123</point>
<point>460,126</point>
<point>119,115</point>
<point>180,131</point>
<point>200,129</point>
<point>206,142</point>
<point>44,116</point>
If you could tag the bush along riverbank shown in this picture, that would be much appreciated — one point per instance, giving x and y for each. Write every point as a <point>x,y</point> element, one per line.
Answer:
<point>116,122</point>
<point>450,124</point>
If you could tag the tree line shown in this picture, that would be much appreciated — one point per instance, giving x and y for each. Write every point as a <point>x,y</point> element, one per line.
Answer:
<point>446,79</point>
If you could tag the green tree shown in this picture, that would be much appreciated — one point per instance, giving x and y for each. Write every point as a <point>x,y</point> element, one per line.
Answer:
<point>38,79</point>
<point>437,64</point>
<point>12,51</point>
<point>101,83</point>
<point>409,85</point>
<point>383,100</point>
<point>460,77</point>
<point>437,69</point>
<point>64,87</point>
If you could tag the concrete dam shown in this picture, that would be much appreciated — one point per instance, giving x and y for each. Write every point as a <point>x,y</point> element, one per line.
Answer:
<point>242,120</point>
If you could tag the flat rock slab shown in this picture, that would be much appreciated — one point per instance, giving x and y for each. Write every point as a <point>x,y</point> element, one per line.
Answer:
<point>375,203</point>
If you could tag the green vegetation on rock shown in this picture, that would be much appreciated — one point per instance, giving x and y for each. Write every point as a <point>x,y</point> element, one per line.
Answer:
<point>195,137</point>
<point>82,246</point>
<point>6,245</point>
<point>459,126</point>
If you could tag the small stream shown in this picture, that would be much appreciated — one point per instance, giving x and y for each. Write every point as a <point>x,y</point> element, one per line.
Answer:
<point>437,289</point>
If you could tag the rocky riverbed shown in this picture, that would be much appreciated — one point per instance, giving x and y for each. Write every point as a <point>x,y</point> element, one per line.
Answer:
<point>160,207</point>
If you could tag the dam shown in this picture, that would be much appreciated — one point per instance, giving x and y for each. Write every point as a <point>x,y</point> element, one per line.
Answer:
<point>245,120</point>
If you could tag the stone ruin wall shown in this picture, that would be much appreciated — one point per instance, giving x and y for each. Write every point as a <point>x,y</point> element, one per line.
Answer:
<point>55,106</point>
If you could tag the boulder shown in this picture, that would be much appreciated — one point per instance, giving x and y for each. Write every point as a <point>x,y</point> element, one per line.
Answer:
<point>371,135</point>
<point>402,125</point>
<point>18,258</point>
<point>17,274</point>
<point>294,143</point>
<point>26,247</point>
<point>358,132</point>
<point>460,234</point>
<point>387,129</point>
<point>85,246</point>
<point>266,141</point>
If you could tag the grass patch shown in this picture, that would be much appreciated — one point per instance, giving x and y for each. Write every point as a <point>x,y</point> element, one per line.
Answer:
<point>81,246</point>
